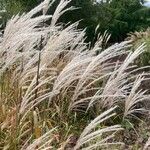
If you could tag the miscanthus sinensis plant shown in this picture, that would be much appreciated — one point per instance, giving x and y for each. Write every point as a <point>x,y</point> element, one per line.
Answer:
<point>138,38</point>
<point>53,85</point>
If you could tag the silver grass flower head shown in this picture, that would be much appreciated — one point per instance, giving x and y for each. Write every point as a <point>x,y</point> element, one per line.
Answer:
<point>46,6</point>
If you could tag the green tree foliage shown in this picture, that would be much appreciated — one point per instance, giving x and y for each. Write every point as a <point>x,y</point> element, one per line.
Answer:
<point>118,17</point>
<point>123,16</point>
<point>13,7</point>
<point>85,12</point>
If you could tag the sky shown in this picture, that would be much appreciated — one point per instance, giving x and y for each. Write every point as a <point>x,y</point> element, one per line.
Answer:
<point>147,3</point>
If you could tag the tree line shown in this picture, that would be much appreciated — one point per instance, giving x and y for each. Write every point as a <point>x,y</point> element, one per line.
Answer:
<point>118,17</point>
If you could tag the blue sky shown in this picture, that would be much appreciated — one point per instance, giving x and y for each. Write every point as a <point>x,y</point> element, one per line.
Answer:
<point>147,3</point>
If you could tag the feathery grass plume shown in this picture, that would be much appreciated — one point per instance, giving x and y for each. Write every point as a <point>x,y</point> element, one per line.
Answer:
<point>60,10</point>
<point>29,100</point>
<point>138,38</point>
<point>92,138</point>
<point>136,96</point>
<point>60,43</point>
<point>119,83</point>
<point>47,5</point>
<point>22,34</point>
<point>123,86</point>
<point>97,68</point>
<point>42,143</point>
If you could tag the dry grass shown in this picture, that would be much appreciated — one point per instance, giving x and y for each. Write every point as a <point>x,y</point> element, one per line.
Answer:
<point>52,85</point>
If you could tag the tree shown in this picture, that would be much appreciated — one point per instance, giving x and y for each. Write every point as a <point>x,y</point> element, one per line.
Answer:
<point>120,17</point>
<point>85,13</point>
<point>13,7</point>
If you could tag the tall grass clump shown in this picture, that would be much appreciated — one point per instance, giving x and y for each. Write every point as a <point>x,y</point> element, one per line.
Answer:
<point>58,92</point>
<point>137,39</point>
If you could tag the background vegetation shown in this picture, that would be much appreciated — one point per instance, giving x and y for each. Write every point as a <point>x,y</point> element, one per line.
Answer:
<point>118,17</point>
